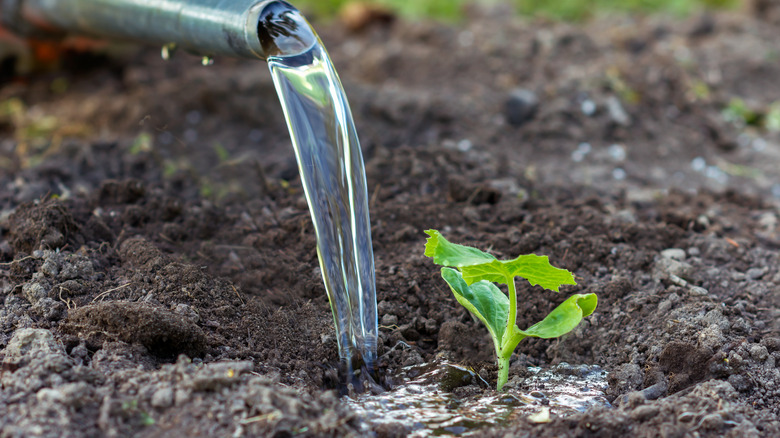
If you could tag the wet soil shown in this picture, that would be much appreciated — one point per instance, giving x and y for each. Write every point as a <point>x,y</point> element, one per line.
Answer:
<point>159,274</point>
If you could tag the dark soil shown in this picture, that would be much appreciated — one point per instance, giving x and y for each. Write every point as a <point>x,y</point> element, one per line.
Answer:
<point>159,274</point>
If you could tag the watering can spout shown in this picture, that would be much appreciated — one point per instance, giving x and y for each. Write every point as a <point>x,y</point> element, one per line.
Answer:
<point>206,28</point>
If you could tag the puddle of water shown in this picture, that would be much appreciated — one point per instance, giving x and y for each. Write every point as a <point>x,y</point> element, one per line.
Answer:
<point>425,406</point>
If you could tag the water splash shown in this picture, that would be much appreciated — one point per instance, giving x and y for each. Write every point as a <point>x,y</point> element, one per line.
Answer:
<point>425,404</point>
<point>333,176</point>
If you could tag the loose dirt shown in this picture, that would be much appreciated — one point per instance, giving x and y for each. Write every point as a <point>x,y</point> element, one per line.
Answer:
<point>159,274</point>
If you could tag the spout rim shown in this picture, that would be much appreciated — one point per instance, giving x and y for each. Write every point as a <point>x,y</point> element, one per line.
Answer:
<point>250,28</point>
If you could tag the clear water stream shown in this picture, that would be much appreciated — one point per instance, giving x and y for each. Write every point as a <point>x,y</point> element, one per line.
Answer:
<point>333,176</point>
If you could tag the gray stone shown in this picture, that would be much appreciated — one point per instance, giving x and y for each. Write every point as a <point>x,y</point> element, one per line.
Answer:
<point>668,269</point>
<point>187,312</point>
<point>26,342</point>
<point>656,391</point>
<point>664,307</point>
<point>389,320</point>
<point>716,317</point>
<point>698,291</point>
<point>674,254</point>
<point>163,398</point>
<point>759,352</point>
<point>711,337</point>
<point>34,292</point>
<point>76,266</point>
<point>616,112</point>
<point>625,216</point>
<point>521,106</point>
<point>50,268</point>
<point>756,273</point>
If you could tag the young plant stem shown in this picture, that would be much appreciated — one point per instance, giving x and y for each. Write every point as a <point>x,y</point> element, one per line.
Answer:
<point>510,335</point>
<point>512,318</point>
<point>503,371</point>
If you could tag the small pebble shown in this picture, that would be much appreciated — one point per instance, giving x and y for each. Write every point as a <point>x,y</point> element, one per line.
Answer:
<point>163,398</point>
<point>655,391</point>
<point>465,145</point>
<point>756,273</point>
<point>581,152</point>
<point>588,107</point>
<point>698,291</point>
<point>674,254</point>
<point>616,112</point>
<point>50,268</point>
<point>699,164</point>
<point>389,320</point>
<point>617,152</point>
<point>759,352</point>
<point>521,106</point>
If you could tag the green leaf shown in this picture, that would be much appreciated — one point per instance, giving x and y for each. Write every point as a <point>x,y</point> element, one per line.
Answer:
<point>476,265</point>
<point>564,318</point>
<point>484,300</point>
<point>453,255</point>
<point>536,269</point>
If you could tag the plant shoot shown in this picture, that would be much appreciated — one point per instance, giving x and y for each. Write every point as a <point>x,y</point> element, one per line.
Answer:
<point>473,283</point>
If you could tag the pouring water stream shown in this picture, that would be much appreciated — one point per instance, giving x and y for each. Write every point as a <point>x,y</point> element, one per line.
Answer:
<point>331,168</point>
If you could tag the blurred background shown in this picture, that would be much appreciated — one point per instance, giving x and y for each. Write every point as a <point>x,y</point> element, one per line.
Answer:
<point>559,10</point>
<point>19,56</point>
<point>645,94</point>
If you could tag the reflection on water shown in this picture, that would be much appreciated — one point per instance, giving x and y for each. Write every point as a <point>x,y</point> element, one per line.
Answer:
<point>426,406</point>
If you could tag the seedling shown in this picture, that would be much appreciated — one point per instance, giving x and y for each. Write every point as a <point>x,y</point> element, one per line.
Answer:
<point>472,282</point>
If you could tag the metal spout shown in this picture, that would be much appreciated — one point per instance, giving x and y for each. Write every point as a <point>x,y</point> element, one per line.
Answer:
<point>204,27</point>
